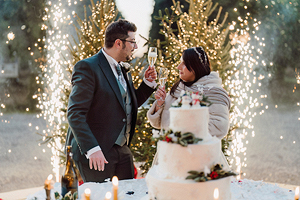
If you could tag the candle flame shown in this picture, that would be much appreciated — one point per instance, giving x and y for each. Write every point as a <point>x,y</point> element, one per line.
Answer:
<point>115,181</point>
<point>297,193</point>
<point>107,195</point>
<point>216,193</point>
<point>50,177</point>
<point>87,191</point>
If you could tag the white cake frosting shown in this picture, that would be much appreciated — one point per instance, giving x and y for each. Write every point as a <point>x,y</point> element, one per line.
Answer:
<point>161,188</point>
<point>167,177</point>
<point>194,120</point>
<point>174,161</point>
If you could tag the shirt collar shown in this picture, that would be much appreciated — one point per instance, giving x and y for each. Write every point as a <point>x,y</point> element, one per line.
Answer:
<point>111,60</point>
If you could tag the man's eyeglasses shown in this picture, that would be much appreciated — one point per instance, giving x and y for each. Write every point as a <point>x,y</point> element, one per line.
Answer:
<point>132,42</point>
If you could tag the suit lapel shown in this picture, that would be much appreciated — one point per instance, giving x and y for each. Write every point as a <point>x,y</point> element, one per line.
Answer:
<point>106,69</point>
<point>130,87</point>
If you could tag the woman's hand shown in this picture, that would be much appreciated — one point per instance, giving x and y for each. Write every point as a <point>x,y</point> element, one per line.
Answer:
<point>160,96</point>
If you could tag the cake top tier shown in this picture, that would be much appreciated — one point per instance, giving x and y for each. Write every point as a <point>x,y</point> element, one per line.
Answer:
<point>189,113</point>
<point>191,119</point>
<point>191,100</point>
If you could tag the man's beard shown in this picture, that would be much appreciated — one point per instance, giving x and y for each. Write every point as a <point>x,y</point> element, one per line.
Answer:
<point>128,58</point>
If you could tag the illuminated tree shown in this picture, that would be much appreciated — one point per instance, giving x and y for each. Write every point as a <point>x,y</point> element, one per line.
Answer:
<point>193,29</point>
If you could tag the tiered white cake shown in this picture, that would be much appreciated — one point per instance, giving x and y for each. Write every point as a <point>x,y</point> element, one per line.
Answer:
<point>167,178</point>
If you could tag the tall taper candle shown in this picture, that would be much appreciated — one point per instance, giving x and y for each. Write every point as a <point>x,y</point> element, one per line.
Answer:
<point>115,187</point>
<point>48,186</point>
<point>297,193</point>
<point>87,194</point>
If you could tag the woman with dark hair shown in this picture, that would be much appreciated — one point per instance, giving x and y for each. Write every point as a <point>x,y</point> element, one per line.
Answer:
<point>195,76</point>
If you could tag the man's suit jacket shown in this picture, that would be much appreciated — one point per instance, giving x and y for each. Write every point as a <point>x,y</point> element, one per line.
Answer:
<point>96,111</point>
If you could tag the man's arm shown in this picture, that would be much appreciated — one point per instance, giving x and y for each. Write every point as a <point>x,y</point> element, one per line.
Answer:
<point>145,90</point>
<point>80,101</point>
<point>79,104</point>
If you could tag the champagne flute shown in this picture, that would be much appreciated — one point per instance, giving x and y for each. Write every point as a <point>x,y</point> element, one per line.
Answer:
<point>162,76</point>
<point>152,55</point>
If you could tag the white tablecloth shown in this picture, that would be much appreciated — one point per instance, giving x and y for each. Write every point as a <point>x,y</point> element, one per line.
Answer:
<point>244,189</point>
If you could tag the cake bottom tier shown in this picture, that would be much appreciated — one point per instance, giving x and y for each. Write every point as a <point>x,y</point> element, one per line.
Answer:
<point>177,189</point>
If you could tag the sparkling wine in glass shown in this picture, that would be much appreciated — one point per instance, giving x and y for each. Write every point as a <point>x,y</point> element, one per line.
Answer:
<point>152,55</point>
<point>163,76</point>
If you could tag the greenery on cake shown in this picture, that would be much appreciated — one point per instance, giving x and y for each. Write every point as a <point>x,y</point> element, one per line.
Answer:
<point>177,137</point>
<point>68,196</point>
<point>216,172</point>
<point>189,98</point>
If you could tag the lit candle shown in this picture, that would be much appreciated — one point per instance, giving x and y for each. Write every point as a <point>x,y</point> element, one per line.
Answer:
<point>107,196</point>
<point>48,186</point>
<point>240,172</point>
<point>48,182</point>
<point>87,194</point>
<point>297,193</point>
<point>115,187</point>
<point>216,194</point>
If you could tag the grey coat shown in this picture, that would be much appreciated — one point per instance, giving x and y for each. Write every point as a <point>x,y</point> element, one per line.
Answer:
<point>218,111</point>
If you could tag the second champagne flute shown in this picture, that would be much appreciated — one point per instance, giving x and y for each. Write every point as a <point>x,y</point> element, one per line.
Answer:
<point>163,76</point>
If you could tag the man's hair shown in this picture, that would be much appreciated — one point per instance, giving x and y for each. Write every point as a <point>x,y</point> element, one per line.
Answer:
<point>118,30</point>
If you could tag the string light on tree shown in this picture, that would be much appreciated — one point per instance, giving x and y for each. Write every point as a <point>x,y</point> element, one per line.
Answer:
<point>11,36</point>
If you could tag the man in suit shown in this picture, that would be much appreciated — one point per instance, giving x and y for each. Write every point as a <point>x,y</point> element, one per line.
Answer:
<point>103,106</point>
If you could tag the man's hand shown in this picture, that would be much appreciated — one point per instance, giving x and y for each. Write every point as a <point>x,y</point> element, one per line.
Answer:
<point>150,74</point>
<point>97,160</point>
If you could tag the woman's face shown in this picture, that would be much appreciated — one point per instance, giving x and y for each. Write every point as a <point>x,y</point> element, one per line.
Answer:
<point>184,73</point>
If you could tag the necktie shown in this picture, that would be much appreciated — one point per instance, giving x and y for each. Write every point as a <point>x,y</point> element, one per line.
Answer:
<point>121,78</point>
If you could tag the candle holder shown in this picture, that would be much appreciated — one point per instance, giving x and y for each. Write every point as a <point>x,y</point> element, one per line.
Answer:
<point>48,197</point>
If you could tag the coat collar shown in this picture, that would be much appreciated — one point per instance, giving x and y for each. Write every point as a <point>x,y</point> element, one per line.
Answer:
<point>107,71</point>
